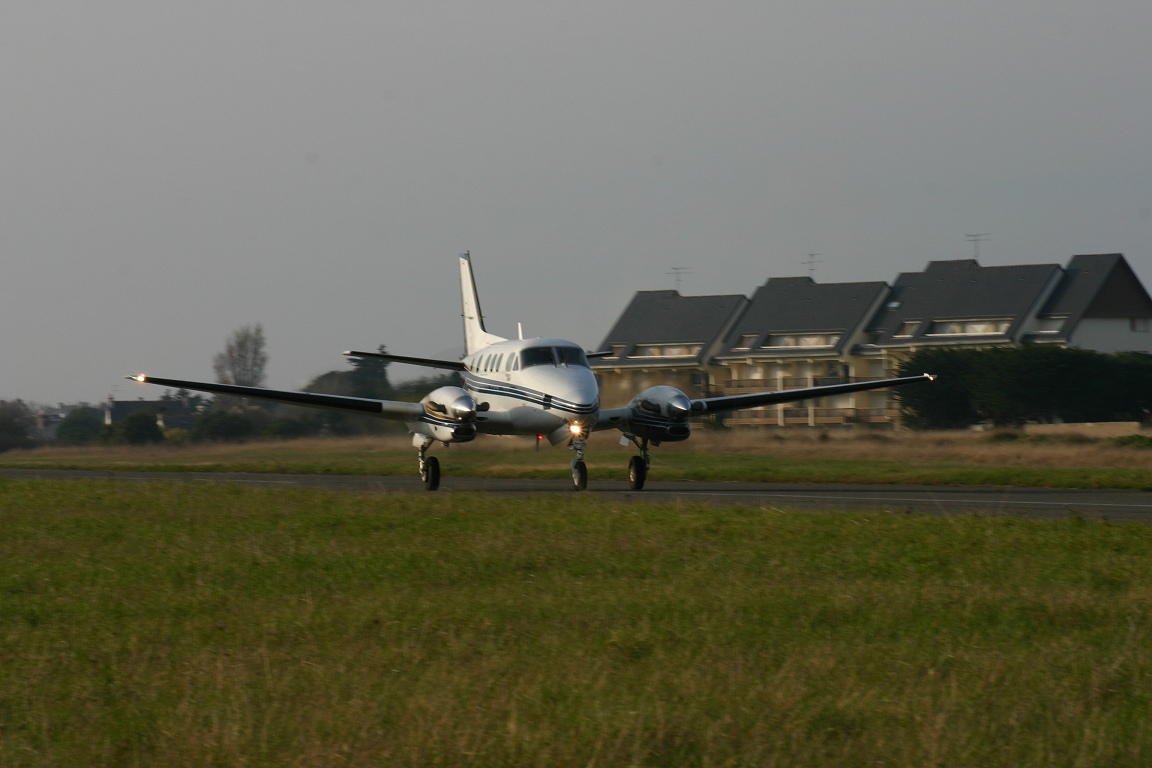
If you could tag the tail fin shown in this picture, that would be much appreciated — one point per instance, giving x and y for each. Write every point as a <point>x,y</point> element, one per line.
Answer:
<point>475,337</point>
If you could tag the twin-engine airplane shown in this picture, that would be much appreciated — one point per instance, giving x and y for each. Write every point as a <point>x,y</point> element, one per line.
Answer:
<point>530,387</point>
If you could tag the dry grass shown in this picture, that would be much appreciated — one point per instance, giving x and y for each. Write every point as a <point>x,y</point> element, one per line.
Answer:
<point>963,447</point>
<point>954,458</point>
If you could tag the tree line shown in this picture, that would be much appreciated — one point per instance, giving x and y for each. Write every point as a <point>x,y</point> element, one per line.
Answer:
<point>1010,386</point>
<point>232,419</point>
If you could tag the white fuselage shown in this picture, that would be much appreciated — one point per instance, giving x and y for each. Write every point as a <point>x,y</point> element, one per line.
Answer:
<point>532,386</point>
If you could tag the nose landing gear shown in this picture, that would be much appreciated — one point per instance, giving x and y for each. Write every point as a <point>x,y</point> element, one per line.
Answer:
<point>579,468</point>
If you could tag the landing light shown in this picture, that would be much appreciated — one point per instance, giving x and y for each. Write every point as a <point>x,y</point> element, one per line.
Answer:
<point>575,429</point>
<point>140,377</point>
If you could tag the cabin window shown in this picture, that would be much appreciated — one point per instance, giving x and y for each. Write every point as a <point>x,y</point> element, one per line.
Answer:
<point>514,365</point>
<point>499,362</point>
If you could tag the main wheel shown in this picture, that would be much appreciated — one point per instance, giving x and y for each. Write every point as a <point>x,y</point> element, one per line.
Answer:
<point>431,473</point>
<point>579,475</point>
<point>637,473</point>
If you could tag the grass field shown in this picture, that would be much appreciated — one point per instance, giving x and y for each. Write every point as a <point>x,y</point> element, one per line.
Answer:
<point>160,624</point>
<point>916,458</point>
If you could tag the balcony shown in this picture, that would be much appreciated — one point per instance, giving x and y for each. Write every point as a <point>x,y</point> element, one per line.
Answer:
<point>775,416</point>
<point>748,386</point>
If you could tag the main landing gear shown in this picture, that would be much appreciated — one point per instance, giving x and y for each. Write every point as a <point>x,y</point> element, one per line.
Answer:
<point>638,465</point>
<point>429,465</point>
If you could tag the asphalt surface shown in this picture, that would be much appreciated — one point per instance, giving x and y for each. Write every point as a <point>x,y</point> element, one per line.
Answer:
<point>1133,506</point>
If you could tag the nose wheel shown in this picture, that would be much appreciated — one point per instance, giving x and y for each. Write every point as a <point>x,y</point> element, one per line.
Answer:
<point>579,475</point>
<point>579,468</point>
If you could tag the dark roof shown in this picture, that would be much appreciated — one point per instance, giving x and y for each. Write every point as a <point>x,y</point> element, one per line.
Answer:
<point>1098,286</point>
<point>962,290</point>
<point>666,317</point>
<point>800,305</point>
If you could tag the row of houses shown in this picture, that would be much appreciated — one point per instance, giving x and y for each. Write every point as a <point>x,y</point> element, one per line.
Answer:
<point>795,332</point>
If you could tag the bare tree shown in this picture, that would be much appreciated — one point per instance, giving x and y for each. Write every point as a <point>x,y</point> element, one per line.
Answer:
<point>243,359</point>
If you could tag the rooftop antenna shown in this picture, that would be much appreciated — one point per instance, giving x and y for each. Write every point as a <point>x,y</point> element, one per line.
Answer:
<point>811,263</point>
<point>983,237</point>
<point>679,272</point>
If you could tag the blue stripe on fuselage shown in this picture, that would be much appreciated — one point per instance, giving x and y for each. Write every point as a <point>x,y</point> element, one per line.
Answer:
<point>478,385</point>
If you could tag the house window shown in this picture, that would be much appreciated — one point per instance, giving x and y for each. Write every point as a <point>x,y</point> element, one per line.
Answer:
<point>1138,324</point>
<point>618,351</point>
<point>907,328</point>
<point>969,327</point>
<point>801,340</point>
<point>746,341</point>
<point>667,350</point>
<point>1050,324</point>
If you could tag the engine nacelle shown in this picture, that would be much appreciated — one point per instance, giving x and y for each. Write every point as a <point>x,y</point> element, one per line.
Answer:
<point>451,404</point>
<point>660,414</point>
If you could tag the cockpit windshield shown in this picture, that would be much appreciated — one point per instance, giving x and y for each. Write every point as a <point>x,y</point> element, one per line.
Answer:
<point>536,356</point>
<point>571,356</point>
<point>563,357</point>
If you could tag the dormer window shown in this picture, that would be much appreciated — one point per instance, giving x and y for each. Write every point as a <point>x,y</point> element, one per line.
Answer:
<point>906,329</point>
<point>801,340</point>
<point>969,327</point>
<point>746,342</point>
<point>667,350</point>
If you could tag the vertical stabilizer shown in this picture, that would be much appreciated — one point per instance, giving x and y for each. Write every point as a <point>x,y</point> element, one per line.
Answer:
<point>475,337</point>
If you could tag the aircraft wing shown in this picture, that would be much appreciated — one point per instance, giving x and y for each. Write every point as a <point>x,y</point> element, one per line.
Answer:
<point>450,365</point>
<point>388,409</point>
<point>756,399</point>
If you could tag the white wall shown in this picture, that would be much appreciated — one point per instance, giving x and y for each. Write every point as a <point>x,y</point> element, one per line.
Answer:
<point>1110,335</point>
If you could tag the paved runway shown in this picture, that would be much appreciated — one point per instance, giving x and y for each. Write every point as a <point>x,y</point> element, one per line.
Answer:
<point>1029,502</point>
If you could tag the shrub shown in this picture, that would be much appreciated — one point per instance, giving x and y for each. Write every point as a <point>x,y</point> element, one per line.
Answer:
<point>80,427</point>
<point>134,429</point>
<point>224,427</point>
<point>1133,441</point>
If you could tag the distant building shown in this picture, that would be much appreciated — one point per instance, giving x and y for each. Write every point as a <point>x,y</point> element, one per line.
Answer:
<point>49,418</point>
<point>665,338</point>
<point>170,413</point>
<point>798,333</point>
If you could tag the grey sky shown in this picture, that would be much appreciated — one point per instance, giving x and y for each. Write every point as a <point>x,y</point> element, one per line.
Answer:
<point>171,171</point>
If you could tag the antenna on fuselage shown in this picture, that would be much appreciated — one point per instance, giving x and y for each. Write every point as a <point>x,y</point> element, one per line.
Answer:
<point>520,331</point>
